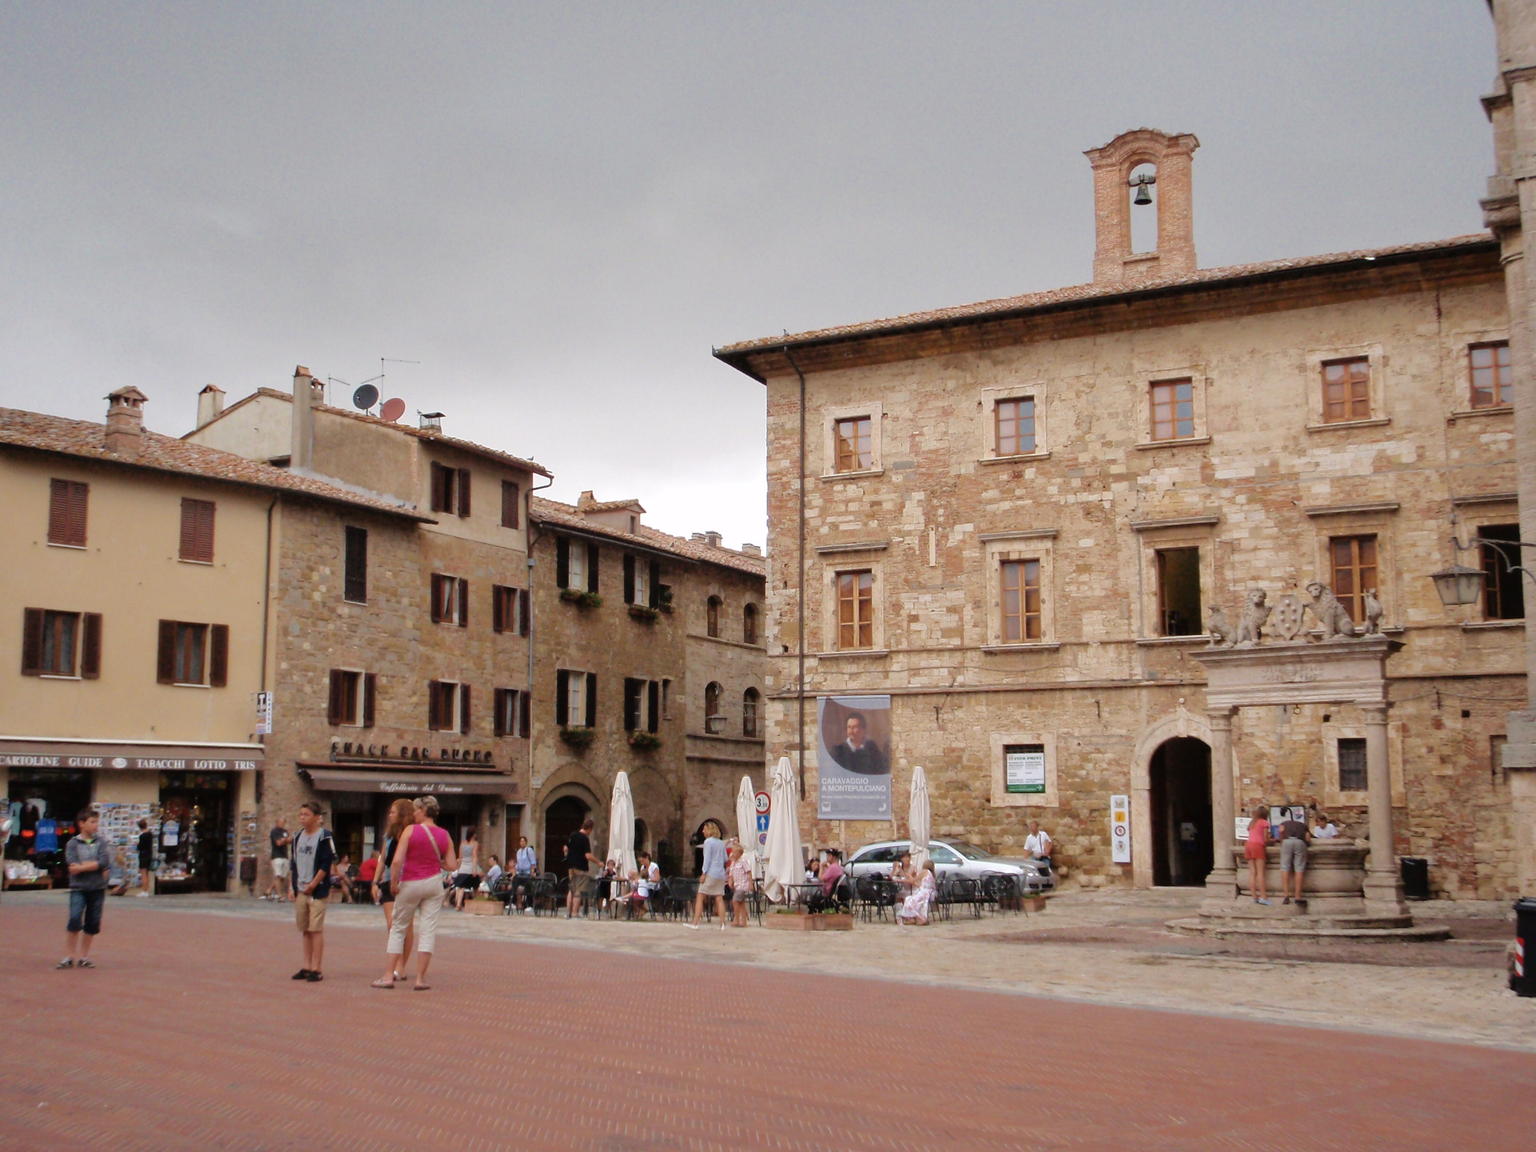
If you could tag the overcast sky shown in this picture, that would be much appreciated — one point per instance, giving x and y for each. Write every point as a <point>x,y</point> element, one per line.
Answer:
<point>559,209</point>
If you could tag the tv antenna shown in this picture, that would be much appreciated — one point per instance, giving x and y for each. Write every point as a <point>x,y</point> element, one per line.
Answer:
<point>365,395</point>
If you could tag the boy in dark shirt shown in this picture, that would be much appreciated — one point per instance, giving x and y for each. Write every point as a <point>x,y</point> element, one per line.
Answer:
<point>89,860</point>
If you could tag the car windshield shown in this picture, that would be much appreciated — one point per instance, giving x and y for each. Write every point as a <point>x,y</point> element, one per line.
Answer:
<point>970,851</point>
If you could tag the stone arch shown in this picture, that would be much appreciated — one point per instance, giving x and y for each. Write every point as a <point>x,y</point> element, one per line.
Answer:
<point>557,799</point>
<point>1180,724</point>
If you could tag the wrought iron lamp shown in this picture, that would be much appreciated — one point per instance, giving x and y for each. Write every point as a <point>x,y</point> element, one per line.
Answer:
<point>1459,585</point>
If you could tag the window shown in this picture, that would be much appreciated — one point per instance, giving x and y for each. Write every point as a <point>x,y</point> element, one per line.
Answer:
<point>66,512</point>
<point>1354,571</point>
<point>197,531</point>
<point>642,581</point>
<point>61,643</point>
<point>450,489</point>
<point>511,504</point>
<point>749,713</point>
<point>576,564</point>
<point>1352,773</point>
<point>714,718</point>
<point>450,600</point>
<point>1014,426</point>
<point>355,566</point>
<point>509,610</point>
<point>1019,585</point>
<point>642,705</point>
<point>447,706</point>
<point>1503,594</point>
<point>1178,592</point>
<point>575,698</point>
<point>1493,380</point>
<point>1173,409</point>
<point>749,624</point>
<point>193,654</point>
<point>712,616</point>
<point>855,447</point>
<point>512,713</point>
<point>855,609</point>
<point>1346,389</point>
<point>351,701</point>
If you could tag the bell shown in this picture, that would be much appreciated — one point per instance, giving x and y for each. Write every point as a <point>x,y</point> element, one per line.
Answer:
<point>1143,195</point>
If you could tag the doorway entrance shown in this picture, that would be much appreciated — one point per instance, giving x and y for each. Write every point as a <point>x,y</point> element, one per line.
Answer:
<point>561,818</point>
<point>1180,773</point>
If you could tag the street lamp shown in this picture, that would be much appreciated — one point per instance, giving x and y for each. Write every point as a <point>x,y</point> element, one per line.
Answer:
<point>1459,585</point>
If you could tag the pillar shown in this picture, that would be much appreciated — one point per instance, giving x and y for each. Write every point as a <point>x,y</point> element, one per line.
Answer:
<point>1221,884</point>
<point>1383,883</point>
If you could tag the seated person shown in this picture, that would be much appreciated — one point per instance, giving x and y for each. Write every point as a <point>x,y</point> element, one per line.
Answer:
<point>492,874</point>
<point>341,878</point>
<point>903,876</point>
<point>831,876</point>
<point>605,880</point>
<point>914,909</point>
<point>647,884</point>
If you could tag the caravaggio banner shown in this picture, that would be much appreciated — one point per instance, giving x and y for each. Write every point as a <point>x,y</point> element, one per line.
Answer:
<point>853,756</point>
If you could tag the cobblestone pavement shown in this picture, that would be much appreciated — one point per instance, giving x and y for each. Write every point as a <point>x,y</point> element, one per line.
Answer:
<point>543,1033</point>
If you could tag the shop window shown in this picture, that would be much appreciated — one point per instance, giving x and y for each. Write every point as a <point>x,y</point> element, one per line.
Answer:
<point>1014,426</point>
<point>712,616</point>
<point>1346,389</point>
<point>355,565</point>
<point>61,643</point>
<point>447,706</point>
<point>749,713</point>
<point>714,719</point>
<point>1019,592</point>
<point>450,489</point>
<point>642,581</point>
<point>749,624</point>
<point>1492,377</point>
<point>1353,560</point>
<point>511,712</point>
<point>642,705</point>
<point>1178,592</point>
<point>575,698</point>
<point>576,564</point>
<point>853,437</point>
<point>509,610</point>
<point>1503,594</point>
<point>511,504</point>
<point>193,654</point>
<point>66,512</point>
<point>1172,409</point>
<point>197,530</point>
<point>352,696</point>
<point>1352,764</point>
<point>450,600</point>
<point>855,609</point>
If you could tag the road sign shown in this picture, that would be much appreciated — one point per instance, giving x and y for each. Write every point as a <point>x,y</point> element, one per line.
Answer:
<point>764,803</point>
<point>762,822</point>
<point>1120,829</point>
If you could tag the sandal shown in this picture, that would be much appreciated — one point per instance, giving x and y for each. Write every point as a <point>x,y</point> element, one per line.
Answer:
<point>67,962</point>
<point>85,963</point>
<point>421,987</point>
<point>382,982</point>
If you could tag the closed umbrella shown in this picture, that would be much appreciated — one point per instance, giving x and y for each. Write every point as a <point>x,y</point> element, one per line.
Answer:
<point>746,822</point>
<point>785,864</point>
<point>621,825</point>
<point>919,817</point>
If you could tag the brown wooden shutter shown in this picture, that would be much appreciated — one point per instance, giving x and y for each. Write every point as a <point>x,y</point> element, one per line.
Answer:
<point>523,722</point>
<point>436,598</point>
<point>218,655</point>
<point>653,695</point>
<point>439,496</point>
<point>464,709</point>
<point>562,562</point>
<point>333,709</point>
<point>356,564</point>
<point>591,567</point>
<point>498,608</point>
<point>432,724</point>
<point>629,579</point>
<point>66,512</point>
<point>197,530</point>
<point>463,477</point>
<point>90,647</point>
<point>522,612</point>
<point>165,658</point>
<point>511,504</point>
<point>591,699</point>
<point>31,641</point>
<point>562,711</point>
<point>370,697</point>
<point>463,603</point>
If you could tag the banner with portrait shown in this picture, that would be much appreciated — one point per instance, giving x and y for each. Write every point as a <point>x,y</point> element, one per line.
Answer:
<point>853,757</point>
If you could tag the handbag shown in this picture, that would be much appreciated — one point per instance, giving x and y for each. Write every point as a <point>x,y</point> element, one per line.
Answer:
<point>444,875</point>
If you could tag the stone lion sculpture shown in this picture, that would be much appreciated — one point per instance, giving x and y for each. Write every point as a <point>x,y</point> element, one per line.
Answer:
<point>1250,627</point>
<point>1329,612</point>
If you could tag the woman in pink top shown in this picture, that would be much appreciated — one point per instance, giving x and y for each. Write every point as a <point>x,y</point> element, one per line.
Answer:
<point>425,851</point>
<point>1255,851</point>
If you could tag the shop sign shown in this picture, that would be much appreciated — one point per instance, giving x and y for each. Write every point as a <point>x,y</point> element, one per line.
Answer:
<point>263,713</point>
<point>1024,768</point>
<point>420,787</point>
<point>342,750</point>
<point>127,763</point>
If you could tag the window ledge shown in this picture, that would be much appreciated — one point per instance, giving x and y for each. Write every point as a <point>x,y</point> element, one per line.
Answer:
<point>71,547</point>
<point>1180,442</point>
<point>1491,625</point>
<point>854,653</point>
<point>1373,422</point>
<point>1491,410</point>
<point>725,640</point>
<point>359,603</point>
<point>1018,458</point>
<point>867,472</point>
<point>1031,646</point>
<point>1159,641</point>
<point>179,684</point>
<point>59,676</point>
<point>199,563</point>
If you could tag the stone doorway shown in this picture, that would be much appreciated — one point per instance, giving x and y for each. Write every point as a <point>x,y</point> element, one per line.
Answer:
<point>1180,787</point>
<point>561,818</point>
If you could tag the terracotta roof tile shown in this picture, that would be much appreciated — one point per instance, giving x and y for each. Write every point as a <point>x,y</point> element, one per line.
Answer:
<point>565,515</point>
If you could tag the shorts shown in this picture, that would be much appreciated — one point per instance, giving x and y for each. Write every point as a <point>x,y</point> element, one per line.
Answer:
<point>280,867</point>
<point>466,880</point>
<point>581,882</point>
<point>146,863</point>
<point>1252,851</point>
<point>385,895</point>
<point>1293,855</point>
<point>740,895</point>
<point>711,885</point>
<point>308,913</point>
<point>85,909</point>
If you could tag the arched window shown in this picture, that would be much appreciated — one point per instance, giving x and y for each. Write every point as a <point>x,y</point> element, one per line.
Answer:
<point>712,616</point>
<point>749,624</point>
<point>714,720</point>
<point>749,700</point>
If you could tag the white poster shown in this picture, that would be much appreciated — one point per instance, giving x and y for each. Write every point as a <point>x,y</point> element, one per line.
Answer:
<point>1120,829</point>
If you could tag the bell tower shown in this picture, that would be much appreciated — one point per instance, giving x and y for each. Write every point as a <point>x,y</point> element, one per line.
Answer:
<point>1143,171</point>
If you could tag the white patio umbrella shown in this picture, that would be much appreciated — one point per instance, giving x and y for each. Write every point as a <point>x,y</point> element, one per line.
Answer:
<point>746,822</point>
<point>621,825</point>
<point>919,817</point>
<point>785,865</point>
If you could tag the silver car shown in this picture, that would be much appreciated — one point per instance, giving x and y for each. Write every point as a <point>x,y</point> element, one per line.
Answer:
<point>954,858</point>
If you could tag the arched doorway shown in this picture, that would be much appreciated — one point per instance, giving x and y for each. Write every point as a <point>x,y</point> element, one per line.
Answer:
<point>561,818</point>
<point>1180,787</point>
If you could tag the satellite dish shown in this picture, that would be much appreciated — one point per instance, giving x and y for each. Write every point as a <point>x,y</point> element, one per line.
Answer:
<point>365,397</point>
<point>393,409</point>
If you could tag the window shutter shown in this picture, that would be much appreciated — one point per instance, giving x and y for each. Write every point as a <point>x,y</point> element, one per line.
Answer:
<point>653,695</point>
<point>629,579</point>
<point>218,657</point>
<point>440,488</point>
<point>523,723</point>
<point>463,476</point>
<point>511,498</point>
<point>165,660</point>
<point>436,597</point>
<point>90,647</point>
<point>591,567</point>
<point>66,512</point>
<point>370,694</point>
<point>591,699</point>
<point>197,530</point>
<point>463,602</point>
<point>562,712</point>
<point>655,590</point>
<point>464,709</point>
<point>334,708</point>
<point>32,641</point>
<point>498,609</point>
<point>562,562</point>
<point>432,724</point>
<point>356,564</point>
<point>522,612</point>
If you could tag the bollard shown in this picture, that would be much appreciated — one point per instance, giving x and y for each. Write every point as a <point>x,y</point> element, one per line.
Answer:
<point>1522,980</point>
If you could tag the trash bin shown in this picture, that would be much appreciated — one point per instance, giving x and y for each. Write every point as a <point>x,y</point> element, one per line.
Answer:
<point>1522,979</point>
<point>1415,877</point>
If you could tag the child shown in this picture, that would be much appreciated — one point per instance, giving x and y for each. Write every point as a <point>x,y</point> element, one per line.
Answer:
<point>89,860</point>
<point>740,876</point>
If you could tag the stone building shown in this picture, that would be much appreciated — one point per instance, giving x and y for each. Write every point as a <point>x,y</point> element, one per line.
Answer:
<point>1015,519</point>
<point>649,659</point>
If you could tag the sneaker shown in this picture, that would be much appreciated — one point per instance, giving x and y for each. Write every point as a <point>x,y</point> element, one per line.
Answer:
<point>67,962</point>
<point>301,974</point>
<point>314,977</point>
<point>1261,900</point>
<point>690,927</point>
<point>86,963</point>
<point>143,895</point>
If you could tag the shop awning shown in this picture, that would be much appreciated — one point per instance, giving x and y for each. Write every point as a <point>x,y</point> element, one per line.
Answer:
<point>411,784</point>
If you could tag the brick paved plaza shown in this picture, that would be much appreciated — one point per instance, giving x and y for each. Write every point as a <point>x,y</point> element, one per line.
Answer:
<point>190,1034</point>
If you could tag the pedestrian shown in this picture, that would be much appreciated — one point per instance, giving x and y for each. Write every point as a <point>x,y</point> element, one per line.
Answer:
<point>578,865</point>
<point>279,839</point>
<point>424,853</point>
<point>1255,851</point>
<point>1293,856</point>
<point>314,860</point>
<point>525,864</point>
<point>146,856</point>
<point>402,813</point>
<point>467,878</point>
<point>88,858</point>
<point>711,876</point>
<point>740,875</point>
<point>1038,843</point>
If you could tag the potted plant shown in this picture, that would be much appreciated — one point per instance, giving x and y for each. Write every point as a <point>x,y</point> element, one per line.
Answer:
<point>644,741</point>
<point>581,599</point>
<point>577,736</point>
<point>643,613</point>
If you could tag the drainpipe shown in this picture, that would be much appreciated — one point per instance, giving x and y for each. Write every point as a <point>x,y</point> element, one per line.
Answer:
<point>800,585</point>
<point>532,536</point>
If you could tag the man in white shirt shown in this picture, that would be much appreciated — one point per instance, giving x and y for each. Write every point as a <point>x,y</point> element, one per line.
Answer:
<point>1038,842</point>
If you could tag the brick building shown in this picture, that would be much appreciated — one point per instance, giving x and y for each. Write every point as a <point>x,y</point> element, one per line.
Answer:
<point>1014,519</point>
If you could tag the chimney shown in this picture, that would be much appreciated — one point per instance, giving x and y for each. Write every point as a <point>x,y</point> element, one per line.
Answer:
<point>125,422</point>
<point>210,402</point>
<point>1165,162</point>
<point>307,392</point>
<point>585,501</point>
<point>751,550</point>
<point>712,539</point>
